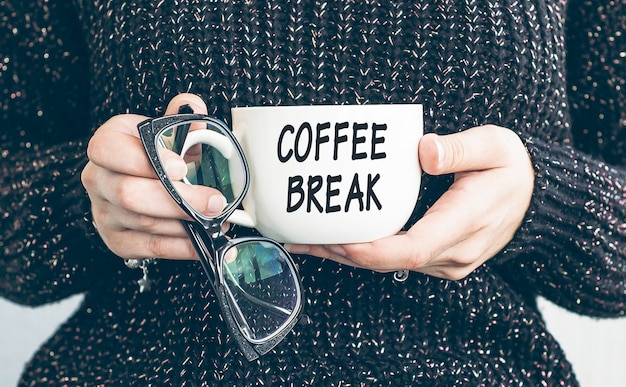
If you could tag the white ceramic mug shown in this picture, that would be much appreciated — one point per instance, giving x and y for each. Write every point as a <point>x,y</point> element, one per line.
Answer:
<point>328,174</point>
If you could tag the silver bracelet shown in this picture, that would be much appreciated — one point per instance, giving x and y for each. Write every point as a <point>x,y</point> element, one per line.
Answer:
<point>144,282</point>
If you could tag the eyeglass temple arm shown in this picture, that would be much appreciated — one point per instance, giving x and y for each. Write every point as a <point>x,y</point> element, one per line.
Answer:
<point>202,249</point>
<point>200,245</point>
<point>181,130</point>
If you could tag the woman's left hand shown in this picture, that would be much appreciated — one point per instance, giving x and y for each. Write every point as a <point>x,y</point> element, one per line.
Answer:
<point>469,224</point>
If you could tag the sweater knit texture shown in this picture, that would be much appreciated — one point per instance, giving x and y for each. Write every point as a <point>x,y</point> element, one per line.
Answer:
<point>552,72</point>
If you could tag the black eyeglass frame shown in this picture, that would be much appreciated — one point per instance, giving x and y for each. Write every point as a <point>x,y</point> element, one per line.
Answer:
<point>208,238</point>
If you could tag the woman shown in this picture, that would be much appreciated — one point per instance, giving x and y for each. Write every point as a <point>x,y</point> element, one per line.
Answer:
<point>523,194</point>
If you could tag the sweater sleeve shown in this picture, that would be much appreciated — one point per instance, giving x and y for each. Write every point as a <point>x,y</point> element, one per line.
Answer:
<point>48,250</point>
<point>571,247</point>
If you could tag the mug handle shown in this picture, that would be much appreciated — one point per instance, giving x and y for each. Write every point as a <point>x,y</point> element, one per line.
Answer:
<point>226,148</point>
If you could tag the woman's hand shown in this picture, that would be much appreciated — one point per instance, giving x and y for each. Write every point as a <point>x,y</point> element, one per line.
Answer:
<point>469,224</point>
<point>134,214</point>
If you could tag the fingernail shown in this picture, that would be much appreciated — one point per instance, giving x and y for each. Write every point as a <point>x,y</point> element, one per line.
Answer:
<point>296,249</point>
<point>216,204</point>
<point>440,152</point>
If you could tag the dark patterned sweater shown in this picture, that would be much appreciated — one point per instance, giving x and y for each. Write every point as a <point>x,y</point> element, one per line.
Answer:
<point>552,73</point>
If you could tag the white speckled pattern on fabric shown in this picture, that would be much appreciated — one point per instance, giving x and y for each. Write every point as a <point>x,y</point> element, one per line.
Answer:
<point>66,67</point>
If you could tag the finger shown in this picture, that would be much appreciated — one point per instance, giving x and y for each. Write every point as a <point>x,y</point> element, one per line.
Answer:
<point>371,255</point>
<point>131,244</point>
<point>147,197</point>
<point>424,245</point>
<point>446,242</point>
<point>331,252</point>
<point>446,265</point>
<point>397,252</point>
<point>112,148</point>
<point>461,259</point>
<point>475,149</point>
<point>449,270</point>
<point>467,237</point>
<point>117,219</point>
<point>116,145</point>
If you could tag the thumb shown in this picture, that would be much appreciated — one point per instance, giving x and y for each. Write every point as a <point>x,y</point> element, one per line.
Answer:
<point>479,148</point>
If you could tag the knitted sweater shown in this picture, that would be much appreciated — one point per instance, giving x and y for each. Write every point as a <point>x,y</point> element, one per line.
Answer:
<point>67,66</point>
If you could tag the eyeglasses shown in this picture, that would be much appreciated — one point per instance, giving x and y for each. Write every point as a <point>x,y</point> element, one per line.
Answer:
<point>254,278</point>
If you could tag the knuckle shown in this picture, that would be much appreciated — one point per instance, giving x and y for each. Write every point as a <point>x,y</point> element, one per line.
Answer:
<point>190,251</point>
<point>452,273</point>
<point>116,120</point>
<point>114,240</point>
<point>98,145</point>
<point>457,153</point>
<point>116,245</point>
<point>99,216</point>
<point>87,177</point>
<point>462,260</point>
<point>476,226</point>
<point>95,147</point>
<point>361,256</point>
<point>510,140</point>
<point>157,247</point>
<point>147,223</point>
<point>418,260</point>
<point>117,251</point>
<point>366,261</point>
<point>455,274</point>
<point>124,194</point>
<point>360,259</point>
<point>494,129</point>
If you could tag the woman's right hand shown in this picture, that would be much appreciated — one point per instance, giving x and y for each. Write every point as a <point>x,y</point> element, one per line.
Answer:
<point>133,213</point>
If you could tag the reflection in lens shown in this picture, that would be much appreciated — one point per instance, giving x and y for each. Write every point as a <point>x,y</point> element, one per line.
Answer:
<point>209,161</point>
<point>263,287</point>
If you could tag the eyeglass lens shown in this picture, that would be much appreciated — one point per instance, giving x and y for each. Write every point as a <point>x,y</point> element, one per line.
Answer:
<point>262,285</point>
<point>211,158</point>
